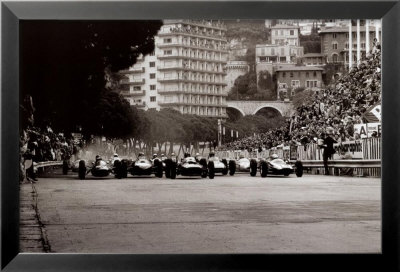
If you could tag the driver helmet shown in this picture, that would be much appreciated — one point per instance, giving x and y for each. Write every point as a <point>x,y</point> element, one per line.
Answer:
<point>211,154</point>
<point>241,156</point>
<point>197,154</point>
<point>172,154</point>
<point>187,155</point>
<point>98,157</point>
<point>162,155</point>
<point>115,155</point>
<point>274,156</point>
<point>141,154</point>
<point>154,156</point>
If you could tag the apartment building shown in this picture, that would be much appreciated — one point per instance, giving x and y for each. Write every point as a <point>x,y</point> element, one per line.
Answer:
<point>186,71</point>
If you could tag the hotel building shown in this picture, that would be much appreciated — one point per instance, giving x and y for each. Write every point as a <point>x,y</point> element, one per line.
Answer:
<point>186,71</point>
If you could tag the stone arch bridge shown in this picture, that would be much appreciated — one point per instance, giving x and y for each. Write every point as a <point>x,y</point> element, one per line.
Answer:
<point>286,109</point>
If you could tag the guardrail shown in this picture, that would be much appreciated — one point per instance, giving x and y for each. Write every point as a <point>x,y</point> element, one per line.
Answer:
<point>359,167</point>
<point>48,163</point>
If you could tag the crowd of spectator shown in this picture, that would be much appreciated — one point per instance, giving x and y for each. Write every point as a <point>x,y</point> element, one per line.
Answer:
<point>339,106</point>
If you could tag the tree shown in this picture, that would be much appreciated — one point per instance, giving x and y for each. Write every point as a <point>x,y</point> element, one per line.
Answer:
<point>303,98</point>
<point>64,67</point>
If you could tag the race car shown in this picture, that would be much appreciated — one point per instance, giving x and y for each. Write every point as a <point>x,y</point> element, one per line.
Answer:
<point>145,167</point>
<point>189,166</point>
<point>98,168</point>
<point>276,166</point>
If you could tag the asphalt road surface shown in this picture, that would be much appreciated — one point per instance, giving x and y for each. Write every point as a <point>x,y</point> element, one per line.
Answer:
<point>240,214</point>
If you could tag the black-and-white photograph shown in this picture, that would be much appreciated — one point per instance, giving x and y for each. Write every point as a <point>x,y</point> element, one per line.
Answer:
<point>200,136</point>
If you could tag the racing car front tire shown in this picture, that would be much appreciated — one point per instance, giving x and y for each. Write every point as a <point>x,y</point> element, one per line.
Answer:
<point>299,168</point>
<point>232,167</point>
<point>264,169</point>
<point>211,170</point>
<point>173,170</point>
<point>225,171</point>
<point>82,169</point>
<point>253,167</point>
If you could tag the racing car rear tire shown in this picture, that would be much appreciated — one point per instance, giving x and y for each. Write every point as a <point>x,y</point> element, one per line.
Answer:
<point>159,170</point>
<point>65,167</point>
<point>225,171</point>
<point>232,167</point>
<point>211,170</point>
<point>264,169</point>
<point>203,162</point>
<point>168,168</point>
<point>118,169</point>
<point>173,170</point>
<point>82,169</point>
<point>299,168</point>
<point>253,167</point>
<point>124,168</point>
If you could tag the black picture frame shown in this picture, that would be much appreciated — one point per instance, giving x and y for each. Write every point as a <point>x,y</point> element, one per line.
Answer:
<point>13,12</point>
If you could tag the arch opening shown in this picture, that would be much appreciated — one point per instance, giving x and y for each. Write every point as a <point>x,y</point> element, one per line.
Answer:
<point>268,112</point>
<point>234,114</point>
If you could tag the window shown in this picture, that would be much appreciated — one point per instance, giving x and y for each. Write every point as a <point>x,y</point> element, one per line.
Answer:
<point>363,45</point>
<point>334,58</point>
<point>263,51</point>
<point>283,74</point>
<point>263,58</point>
<point>136,88</point>
<point>272,51</point>
<point>167,52</point>
<point>315,74</point>
<point>291,74</point>
<point>354,46</point>
<point>307,74</point>
<point>276,33</point>
<point>346,45</point>
<point>295,83</point>
<point>168,40</point>
<point>362,34</point>
<point>152,64</point>
<point>152,54</point>
<point>334,45</point>
<point>334,35</point>
<point>152,87</point>
<point>347,35</point>
<point>152,99</point>
<point>291,32</point>
<point>152,75</point>
<point>311,83</point>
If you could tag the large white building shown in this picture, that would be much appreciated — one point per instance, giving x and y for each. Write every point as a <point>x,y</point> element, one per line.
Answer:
<point>186,72</point>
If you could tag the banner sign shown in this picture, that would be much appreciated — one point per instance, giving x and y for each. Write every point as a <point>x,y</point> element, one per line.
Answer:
<point>367,130</point>
<point>354,148</point>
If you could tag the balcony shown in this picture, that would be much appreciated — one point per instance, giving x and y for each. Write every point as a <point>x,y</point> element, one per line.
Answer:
<point>178,56</point>
<point>132,71</point>
<point>139,104</point>
<point>132,82</point>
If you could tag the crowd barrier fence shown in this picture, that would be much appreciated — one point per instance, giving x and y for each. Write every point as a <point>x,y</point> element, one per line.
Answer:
<point>368,149</point>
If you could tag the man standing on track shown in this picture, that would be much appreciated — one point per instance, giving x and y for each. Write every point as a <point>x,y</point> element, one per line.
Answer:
<point>328,148</point>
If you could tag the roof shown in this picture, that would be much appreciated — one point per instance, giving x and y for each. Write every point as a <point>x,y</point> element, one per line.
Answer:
<point>344,29</point>
<point>310,55</point>
<point>299,68</point>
